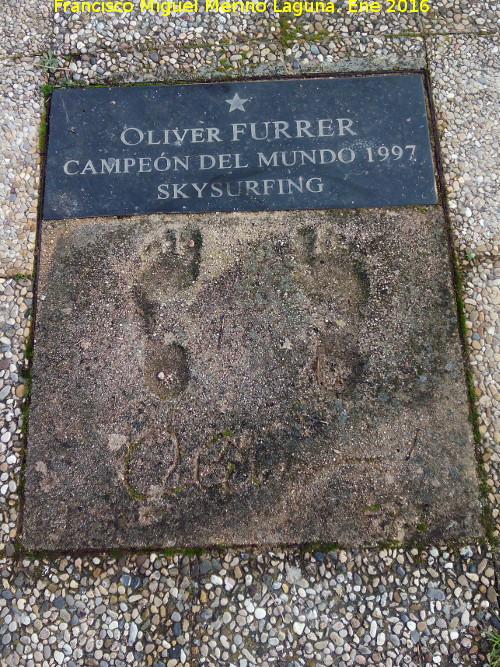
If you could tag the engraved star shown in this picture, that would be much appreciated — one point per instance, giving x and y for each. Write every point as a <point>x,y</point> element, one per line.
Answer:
<point>236,103</point>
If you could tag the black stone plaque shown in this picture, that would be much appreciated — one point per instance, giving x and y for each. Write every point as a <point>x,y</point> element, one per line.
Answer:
<point>248,145</point>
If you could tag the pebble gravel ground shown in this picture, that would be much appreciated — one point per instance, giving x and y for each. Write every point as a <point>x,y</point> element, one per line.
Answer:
<point>386,606</point>
<point>25,28</point>
<point>464,69</point>
<point>16,299</point>
<point>466,16</point>
<point>20,115</point>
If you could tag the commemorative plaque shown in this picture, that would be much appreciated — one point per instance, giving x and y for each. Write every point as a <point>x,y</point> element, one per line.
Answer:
<point>240,376</point>
<point>254,145</point>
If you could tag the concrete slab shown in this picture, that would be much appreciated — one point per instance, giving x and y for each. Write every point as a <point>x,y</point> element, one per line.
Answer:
<point>248,378</point>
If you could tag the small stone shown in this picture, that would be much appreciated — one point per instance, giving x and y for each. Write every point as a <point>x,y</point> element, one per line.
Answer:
<point>206,566</point>
<point>491,595</point>
<point>435,594</point>
<point>298,627</point>
<point>58,602</point>
<point>125,580</point>
<point>132,633</point>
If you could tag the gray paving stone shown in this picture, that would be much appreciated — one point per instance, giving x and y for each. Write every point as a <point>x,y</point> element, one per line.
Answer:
<point>465,75</point>
<point>173,64</point>
<point>147,31</point>
<point>21,107</point>
<point>345,23</point>
<point>354,54</point>
<point>25,28</point>
<point>15,308</point>
<point>462,16</point>
<point>468,119</point>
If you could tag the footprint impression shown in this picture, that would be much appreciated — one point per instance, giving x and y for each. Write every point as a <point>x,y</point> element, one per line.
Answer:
<point>273,337</point>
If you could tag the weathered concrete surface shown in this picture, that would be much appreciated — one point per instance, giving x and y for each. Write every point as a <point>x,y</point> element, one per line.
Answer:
<point>248,378</point>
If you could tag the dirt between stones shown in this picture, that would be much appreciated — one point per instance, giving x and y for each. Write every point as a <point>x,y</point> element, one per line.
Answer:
<point>253,378</point>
